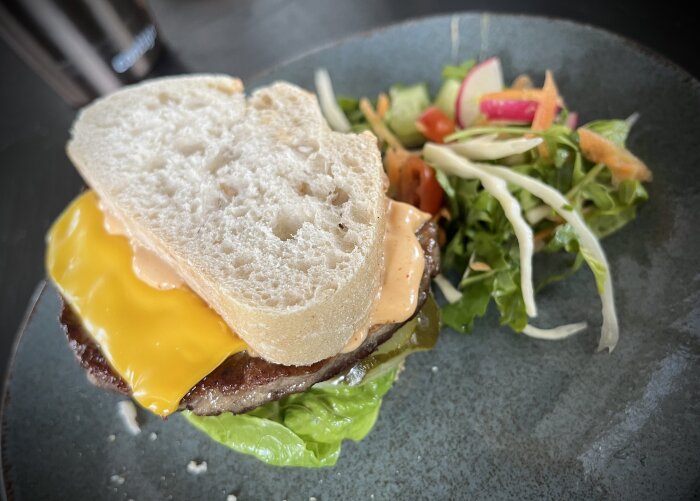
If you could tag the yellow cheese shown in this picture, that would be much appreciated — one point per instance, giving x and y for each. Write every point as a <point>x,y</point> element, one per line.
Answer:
<point>162,342</point>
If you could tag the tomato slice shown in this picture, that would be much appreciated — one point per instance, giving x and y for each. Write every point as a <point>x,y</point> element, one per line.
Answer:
<point>435,125</point>
<point>419,186</point>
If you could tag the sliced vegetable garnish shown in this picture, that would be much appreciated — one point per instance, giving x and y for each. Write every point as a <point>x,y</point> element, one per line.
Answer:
<point>511,110</point>
<point>496,187</point>
<point>407,104</point>
<point>448,290</point>
<point>329,105</point>
<point>447,160</point>
<point>623,164</point>
<point>488,148</point>
<point>556,333</point>
<point>547,110</point>
<point>485,77</point>
<point>418,185</point>
<point>435,125</point>
<point>377,124</point>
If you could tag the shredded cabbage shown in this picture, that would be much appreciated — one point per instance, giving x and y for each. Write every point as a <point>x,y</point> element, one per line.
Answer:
<point>591,250</point>
<point>329,106</point>
<point>488,148</point>
<point>556,333</point>
<point>448,290</point>
<point>523,232</point>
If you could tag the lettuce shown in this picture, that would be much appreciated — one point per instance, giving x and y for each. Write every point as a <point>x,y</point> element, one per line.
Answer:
<point>307,429</point>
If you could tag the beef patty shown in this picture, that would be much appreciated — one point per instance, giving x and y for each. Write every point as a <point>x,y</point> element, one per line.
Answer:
<point>243,382</point>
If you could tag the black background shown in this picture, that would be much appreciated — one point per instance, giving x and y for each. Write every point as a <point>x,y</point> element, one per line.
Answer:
<point>242,37</point>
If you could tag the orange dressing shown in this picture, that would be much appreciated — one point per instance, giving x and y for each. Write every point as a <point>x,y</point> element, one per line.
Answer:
<point>404,264</point>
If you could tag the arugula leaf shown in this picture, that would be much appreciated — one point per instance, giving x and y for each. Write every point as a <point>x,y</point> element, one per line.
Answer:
<point>564,238</point>
<point>600,196</point>
<point>474,302</point>
<point>631,191</point>
<point>351,108</point>
<point>509,299</point>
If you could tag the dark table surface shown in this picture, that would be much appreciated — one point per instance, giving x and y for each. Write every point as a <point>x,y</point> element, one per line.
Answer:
<point>240,37</point>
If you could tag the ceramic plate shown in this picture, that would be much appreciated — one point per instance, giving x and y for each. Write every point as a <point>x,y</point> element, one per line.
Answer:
<point>491,415</point>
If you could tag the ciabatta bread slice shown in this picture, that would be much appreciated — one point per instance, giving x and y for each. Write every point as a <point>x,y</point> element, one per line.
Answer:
<point>272,218</point>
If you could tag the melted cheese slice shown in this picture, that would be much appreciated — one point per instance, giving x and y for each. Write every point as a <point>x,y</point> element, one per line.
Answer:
<point>162,342</point>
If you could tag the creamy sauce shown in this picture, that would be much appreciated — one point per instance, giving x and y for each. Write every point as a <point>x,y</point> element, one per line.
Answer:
<point>358,338</point>
<point>147,265</point>
<point>153,270</point>
<point>404,264</point>
<point>112,225</point>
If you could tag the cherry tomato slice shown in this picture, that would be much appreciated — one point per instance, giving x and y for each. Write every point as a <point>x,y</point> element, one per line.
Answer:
<point>435,125</point>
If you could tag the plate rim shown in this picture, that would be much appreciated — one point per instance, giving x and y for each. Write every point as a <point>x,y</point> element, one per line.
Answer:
<point>43,285</point>
<point>630,42</point>
<point>29,313</point>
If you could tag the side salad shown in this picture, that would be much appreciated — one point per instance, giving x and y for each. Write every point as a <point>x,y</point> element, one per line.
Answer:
<point>507,172</point>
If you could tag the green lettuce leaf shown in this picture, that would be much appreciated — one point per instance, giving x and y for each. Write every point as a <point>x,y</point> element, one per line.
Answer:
<point>473,304</point>
<point>305,429</point>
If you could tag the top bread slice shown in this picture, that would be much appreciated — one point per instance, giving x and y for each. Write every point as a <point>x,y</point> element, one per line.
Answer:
<point>276,221</point>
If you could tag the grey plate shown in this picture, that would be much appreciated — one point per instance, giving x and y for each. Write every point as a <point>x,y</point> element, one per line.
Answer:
<point>492,415</point>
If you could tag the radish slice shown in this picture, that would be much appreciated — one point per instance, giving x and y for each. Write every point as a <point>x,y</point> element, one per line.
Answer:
<point>518,110</point>
<point>486,76</point>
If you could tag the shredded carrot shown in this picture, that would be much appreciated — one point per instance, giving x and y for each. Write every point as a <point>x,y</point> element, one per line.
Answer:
<point>522,82</point>
<point>621,162</point>
<point>393,163</point>
<point>377,125</point>
<point>547,109</point>
<point>519,94</point>
<point>382,105</point>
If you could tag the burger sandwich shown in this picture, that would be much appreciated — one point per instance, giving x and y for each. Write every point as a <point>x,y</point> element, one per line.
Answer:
<point>235,259</point>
